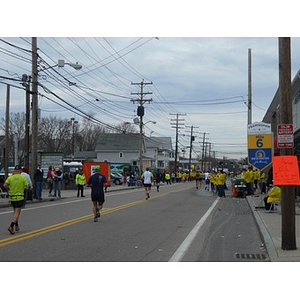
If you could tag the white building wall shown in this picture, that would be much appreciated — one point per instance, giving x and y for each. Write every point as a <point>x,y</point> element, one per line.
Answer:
<point>296,111</point>
<point>117,157</point>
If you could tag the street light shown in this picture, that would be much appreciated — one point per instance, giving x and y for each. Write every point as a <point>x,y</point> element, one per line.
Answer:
<point>61,63</point>
<point>34,129</point>
<point>154,122</point>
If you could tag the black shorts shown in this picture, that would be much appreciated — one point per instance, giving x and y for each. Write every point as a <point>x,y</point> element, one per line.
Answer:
<point>147,185</point>
<point>17,203</point>
<point>98,198</point>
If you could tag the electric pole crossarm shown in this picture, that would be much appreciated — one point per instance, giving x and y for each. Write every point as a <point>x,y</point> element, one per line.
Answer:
<point>177,120</point>
<point>140,113</point>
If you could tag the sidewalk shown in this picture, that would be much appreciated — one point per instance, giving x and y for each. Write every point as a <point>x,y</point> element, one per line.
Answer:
<point>270,227</point>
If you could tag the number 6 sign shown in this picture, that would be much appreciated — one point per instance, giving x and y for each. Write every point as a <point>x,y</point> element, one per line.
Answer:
<point>260,150</point>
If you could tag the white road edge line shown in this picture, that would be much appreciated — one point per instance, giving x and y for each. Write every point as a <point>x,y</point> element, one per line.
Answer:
<point>183,248</point>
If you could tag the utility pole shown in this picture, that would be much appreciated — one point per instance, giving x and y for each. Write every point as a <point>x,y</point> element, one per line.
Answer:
<point>191,146</point>
<point>176,125</point>
<point>34,128</point>
<point>140,113</point>
<point>288,230</point>
<point>190,156</point>
<point>203,143</point>
<point>249,87</point>
<point>209,155</point>
<point>6,154</point>
<point>25,82</point>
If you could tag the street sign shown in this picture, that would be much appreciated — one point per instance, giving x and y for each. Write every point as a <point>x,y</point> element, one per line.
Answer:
<point>285,136</point>
<point>260,150</point>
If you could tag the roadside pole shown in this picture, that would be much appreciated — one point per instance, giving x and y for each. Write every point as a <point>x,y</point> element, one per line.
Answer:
<point>288,230</point>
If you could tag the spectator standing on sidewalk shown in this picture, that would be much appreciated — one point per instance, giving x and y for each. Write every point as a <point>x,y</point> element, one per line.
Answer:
<point>263,180</point>
<point>96,182</point>
<point>248,176</point>
<point>256,175</point>
<point>58,175</point>
<point>80,182</point>
<point>16,184</point>
<point>221,180</point>
<point>38,176</point>
<point>50,180</point>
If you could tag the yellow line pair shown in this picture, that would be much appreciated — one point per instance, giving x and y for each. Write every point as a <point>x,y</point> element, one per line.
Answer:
<point>37,232</point>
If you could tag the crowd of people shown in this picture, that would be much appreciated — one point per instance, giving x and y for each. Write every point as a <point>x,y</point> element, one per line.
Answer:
<point>20,185</point>
<point>257,181</point>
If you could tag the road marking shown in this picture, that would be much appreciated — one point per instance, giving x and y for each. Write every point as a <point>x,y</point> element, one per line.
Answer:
<point>183,248</point>
<point>24,236</point>
<point>59,203</point>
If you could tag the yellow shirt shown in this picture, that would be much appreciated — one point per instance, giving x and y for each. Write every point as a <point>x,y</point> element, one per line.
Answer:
<point>17,184</point>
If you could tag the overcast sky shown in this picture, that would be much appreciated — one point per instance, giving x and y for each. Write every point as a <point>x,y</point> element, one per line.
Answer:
<point>203,78</point>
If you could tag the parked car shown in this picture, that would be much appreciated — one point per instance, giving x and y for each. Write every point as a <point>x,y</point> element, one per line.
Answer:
<point>117,179</point>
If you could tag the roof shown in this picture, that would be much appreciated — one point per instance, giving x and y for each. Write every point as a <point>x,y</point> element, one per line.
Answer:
<point>118,142</point>
<point>159,142</point>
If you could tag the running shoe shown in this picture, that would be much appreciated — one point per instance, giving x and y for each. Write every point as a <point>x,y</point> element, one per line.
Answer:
<point>95,219</point>
<point>98,213</point>
<point>11,230</point>
<point>17,228</point>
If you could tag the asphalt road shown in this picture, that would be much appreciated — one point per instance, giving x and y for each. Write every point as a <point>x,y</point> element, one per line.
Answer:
<point>130,228</point>
<point>179,223</point>
<point>233,235</point>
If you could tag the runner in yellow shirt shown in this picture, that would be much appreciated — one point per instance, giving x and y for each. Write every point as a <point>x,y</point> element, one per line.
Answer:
<point>16,184</point>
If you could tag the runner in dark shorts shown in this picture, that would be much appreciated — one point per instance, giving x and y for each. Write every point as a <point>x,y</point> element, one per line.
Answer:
<point>17,203</point>
<point>16,184</point>
<point>96,182</point>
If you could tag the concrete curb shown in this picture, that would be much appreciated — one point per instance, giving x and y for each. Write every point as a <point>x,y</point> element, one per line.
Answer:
<point>271,249</point>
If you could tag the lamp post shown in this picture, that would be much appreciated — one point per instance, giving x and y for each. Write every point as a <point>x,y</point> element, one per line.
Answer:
<point>34,129</point>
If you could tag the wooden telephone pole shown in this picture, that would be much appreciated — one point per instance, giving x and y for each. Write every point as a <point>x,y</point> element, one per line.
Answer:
<point>177,125</point>
<point>34,127</point>
<point>288,230</point>
<point>249,87</point>
<point>140,113</point>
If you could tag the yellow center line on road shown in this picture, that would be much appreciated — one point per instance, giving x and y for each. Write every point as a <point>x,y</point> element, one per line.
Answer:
<point>105,211</point>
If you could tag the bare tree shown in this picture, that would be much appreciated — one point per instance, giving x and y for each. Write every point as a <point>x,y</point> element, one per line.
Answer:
<point>88,135</point>
<point>55,135</point>
<point>126,127</point>
<point>16,135</point>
